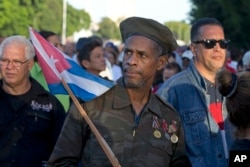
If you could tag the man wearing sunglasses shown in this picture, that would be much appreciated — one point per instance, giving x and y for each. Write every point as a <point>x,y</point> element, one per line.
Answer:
<point>194,94</point>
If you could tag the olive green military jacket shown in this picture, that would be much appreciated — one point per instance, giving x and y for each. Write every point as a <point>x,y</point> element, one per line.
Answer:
<point>153,139</point>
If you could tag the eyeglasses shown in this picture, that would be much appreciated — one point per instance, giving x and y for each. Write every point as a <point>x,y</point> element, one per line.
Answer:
<point>210,43</point>
<point>15,63</point>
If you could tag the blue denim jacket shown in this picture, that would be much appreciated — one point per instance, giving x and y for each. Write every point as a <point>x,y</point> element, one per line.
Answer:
<point>186,91</point>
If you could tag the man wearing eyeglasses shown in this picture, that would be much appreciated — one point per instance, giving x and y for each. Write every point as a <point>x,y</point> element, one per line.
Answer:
<point>194,94</point>
<point>30,117</point>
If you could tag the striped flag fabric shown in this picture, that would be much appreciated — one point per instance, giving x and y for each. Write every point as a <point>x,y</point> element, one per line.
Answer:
<point>57,66</point>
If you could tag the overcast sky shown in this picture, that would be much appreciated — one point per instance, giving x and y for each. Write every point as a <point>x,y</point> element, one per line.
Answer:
<point>160,10</point>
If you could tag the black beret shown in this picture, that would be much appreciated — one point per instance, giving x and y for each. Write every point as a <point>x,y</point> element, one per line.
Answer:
<point>150,29</point>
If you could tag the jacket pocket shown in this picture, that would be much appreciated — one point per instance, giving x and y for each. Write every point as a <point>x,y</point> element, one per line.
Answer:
<point>162,145</point>
<point>159,153</point>
<point>195,128</point>
<point>37,121</point>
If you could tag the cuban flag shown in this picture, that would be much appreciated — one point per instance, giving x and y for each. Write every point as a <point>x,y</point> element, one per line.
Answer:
<point>57,66</point>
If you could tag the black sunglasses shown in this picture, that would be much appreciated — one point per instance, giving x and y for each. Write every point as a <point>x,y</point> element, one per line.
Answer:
<point>210,43</point>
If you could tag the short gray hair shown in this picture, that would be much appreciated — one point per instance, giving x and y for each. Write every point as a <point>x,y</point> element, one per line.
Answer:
<point>18,40</point>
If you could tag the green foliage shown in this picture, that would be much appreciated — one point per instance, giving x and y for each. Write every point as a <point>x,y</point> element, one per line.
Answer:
<point>50,17</point>
<point>181,30</point>
<point>233,14</point>
<point>17,15</point>
<point>77,20</point>
<point>108,29</point>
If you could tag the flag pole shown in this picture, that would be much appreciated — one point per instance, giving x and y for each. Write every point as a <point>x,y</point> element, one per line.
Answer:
<point>111,156</point>
<point>64,21</point>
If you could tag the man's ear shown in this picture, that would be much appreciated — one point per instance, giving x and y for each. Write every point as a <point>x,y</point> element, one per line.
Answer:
<point>85,64</point>
<point>162,62</point>
<point>31,63</point>
<point>192,48</point>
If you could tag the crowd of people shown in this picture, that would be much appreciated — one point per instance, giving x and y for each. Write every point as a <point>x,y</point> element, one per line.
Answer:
<point>171,105</point>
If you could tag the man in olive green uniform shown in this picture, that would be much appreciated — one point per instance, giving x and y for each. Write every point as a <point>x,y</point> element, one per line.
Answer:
<point>139,127</point>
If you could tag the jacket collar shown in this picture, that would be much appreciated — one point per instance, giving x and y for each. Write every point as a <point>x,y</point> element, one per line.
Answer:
<point>121,99</point>
<point>196,75</point>
<point>35,87</point>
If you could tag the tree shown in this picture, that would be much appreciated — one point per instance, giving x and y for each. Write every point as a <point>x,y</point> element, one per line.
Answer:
<point>17,15</point>
<point>108,29</point>
<point>181,30</point>
<point>50,18</point>
<point>77,20</point>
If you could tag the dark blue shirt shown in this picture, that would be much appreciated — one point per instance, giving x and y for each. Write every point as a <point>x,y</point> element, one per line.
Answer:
<point>29,127</point>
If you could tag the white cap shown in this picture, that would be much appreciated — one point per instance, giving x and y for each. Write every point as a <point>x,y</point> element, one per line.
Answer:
<point>187,54</point>
<point>246,58</point>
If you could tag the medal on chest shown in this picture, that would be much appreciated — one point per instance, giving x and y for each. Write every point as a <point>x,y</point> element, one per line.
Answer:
<point>156,126</point>
<point>169,130</point>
